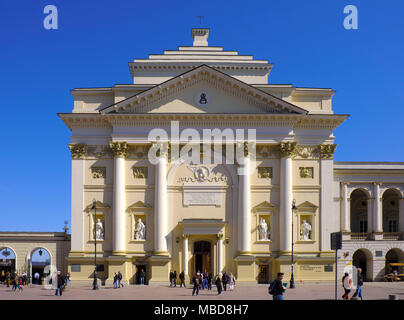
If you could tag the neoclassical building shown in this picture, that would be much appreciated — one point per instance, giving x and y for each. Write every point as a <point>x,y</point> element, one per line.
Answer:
<point>165,213</point>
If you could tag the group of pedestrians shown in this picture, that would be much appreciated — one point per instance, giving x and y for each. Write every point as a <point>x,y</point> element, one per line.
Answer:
<point>117,280</point>
<point>347,285</point>
<point>205,281</point>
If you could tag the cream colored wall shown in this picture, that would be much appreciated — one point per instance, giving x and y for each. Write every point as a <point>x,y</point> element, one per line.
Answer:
<point>92,101</point>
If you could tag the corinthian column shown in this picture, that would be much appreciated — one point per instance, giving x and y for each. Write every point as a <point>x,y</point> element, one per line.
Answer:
<point>160,203</point>
<point>119,150</point>
<point>219,252</point>
<point>77,205</point>
<point>346,219</point>
<point>185,255</point>
<point>286,195</point>
<point>244,208</point>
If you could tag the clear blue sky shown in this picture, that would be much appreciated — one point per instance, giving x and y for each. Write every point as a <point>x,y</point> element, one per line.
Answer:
<point>305,40</point>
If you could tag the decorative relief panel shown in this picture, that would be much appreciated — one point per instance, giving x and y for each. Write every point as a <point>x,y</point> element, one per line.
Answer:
<point>98,172</point>
<point>140,172</point>
<point>306,172</point>
<point>264,172</point>
<point>203,174</point>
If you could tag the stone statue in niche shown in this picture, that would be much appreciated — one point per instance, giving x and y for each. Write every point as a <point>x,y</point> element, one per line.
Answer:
<point>140,233</point>
<point>305,230</point>
<point>99,230</point>
<point>263,230</point>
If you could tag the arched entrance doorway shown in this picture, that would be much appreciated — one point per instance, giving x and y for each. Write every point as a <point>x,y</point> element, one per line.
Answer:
<point>202,256</point>
<point>394,256</point>
<point>363,259</point>
<point>37,260</point>
<point>7,262</point>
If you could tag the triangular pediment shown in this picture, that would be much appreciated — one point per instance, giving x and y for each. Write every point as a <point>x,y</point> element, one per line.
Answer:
<point>307,206</point>
<point>204,90</point>
<point>264,206</point>
<point>139,205</point>
<point>98,205</point>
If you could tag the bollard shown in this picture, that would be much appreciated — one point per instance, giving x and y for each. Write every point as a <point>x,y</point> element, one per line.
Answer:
<point>393,297</point>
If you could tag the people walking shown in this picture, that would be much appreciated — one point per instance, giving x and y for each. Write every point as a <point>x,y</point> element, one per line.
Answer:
<point>182,279</point>
<point>232,282</point>
<point>8,279</point>
<point>197,282</point>
<point>225,279</point>
<point>142,276</point>
<point>359,285</point>
<point>17,283</point>
<point>36,278</point>
<point>120,279</point>
<point>347,285</point>
<point>276,288</point>
<point>218,283</point>
<point>115,280</point>
<point>60,281</point>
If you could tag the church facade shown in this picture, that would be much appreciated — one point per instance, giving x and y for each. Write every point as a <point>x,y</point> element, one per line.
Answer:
<point>200,164</point>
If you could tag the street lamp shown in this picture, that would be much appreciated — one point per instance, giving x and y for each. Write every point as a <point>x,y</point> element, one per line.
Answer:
<point>95,284</point>
<point>292,278</point>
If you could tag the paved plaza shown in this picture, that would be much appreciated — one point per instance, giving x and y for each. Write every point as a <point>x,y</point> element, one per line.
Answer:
<point>303,291</point>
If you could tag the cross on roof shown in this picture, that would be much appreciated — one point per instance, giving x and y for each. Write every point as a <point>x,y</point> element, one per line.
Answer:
<point>200,19</point>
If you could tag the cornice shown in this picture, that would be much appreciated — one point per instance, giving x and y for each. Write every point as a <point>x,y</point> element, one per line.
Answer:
<point>108,121</point>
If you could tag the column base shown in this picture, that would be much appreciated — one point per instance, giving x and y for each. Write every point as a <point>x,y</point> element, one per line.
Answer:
<point>245,266</point>
<point>377,235</point>
<point>159,266</point>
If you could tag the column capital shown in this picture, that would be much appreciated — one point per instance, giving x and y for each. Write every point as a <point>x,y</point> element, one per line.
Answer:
<point>247,147</point>
<point>78,150</point>
<point>163,148</point>
<point>287,149</point>
<point>185,236</point>
<point>327,151</point>
<point>219,236</point>
<point>119,149</point>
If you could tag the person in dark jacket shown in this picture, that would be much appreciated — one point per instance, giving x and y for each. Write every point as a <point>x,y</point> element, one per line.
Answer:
<point>277,287</point>
<point>175,278</point>
<point>120,279</point>
<point>115,280</point>
<point>197,283</point>
<point>60,281</point>
<point>171,278</point>
<point>358,291</point>
<point>218,283</point>
<point>210,276</point>
<point>182,279</point>
<point>142,276</point>
<point>225,279</point>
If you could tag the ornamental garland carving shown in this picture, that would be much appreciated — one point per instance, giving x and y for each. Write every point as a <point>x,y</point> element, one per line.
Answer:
<point>98,172</point>
<point>140,172</point>
<point>306,172</point>
<point>119,149</point>
<point>264,172</point>
<point>327,151</point>
<point>287,149</point>
<point>78,150</point>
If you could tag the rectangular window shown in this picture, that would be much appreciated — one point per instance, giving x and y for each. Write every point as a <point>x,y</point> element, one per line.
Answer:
<point>393,226</point>
<point>363,226</point>
<point>329,268</point>
<point>100,267</point>
<point>76,267</point>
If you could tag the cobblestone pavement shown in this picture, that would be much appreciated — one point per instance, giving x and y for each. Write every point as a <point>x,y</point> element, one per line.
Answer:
<point>303,291</point>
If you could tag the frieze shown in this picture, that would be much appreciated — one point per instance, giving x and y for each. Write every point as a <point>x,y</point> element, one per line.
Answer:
<point>264,172</point>
<point>306,172</point>
<point>140,172</point>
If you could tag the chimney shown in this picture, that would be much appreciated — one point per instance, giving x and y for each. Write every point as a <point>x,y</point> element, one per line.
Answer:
<point>200,37</point>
